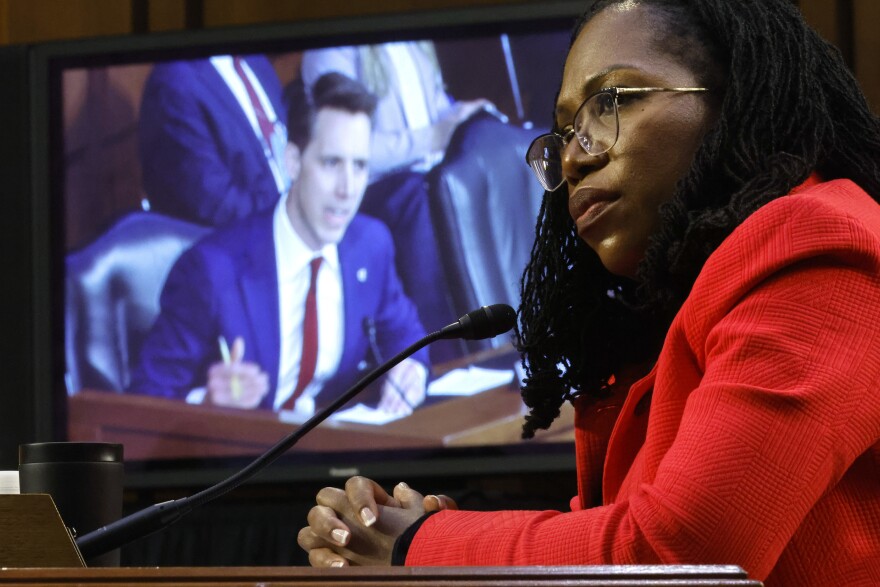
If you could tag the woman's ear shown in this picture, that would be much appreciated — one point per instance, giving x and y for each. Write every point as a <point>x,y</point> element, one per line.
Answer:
<point>292,160</point>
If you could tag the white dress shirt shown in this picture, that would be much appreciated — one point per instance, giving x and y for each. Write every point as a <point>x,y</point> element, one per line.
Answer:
<point>294,275</point>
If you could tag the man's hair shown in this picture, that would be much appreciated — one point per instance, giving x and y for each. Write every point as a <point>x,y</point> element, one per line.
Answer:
<point>331,90</point>
<point>788,106</point>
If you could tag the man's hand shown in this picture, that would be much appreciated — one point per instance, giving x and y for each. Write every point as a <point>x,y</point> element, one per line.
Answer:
<point>236,383</point>
<point>441,131</point>
<point>404,388</point>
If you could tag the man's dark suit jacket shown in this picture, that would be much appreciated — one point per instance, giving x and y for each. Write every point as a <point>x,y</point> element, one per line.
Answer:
<point>200,157</point>
<point>227,285</point>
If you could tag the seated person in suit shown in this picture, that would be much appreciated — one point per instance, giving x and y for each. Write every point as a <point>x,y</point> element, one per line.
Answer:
<point>415,119</point>
<point>211,138</point>
<point>252,283</point>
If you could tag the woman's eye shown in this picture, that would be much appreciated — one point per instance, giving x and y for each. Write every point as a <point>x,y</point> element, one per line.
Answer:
<point>604,104</point>
<point>624,99</point>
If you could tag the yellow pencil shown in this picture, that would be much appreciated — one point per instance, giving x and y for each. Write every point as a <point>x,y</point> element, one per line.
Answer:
<point>227,360</point>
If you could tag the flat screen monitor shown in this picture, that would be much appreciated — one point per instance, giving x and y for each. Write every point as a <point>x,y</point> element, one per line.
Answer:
<point>168,195</point>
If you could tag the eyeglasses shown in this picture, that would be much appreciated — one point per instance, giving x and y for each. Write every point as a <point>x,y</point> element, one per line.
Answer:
<point>596,126</point>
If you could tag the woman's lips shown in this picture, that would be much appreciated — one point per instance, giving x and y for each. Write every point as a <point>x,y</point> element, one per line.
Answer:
<point>587,204</point>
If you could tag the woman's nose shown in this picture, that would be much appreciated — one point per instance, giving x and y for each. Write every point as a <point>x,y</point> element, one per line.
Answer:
<point>577,163</point>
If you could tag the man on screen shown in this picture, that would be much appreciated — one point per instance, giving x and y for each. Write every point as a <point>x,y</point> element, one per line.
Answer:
<point>414,122</point>
<point>306,294</point>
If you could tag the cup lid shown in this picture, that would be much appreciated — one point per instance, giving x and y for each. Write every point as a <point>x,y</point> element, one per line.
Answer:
<point>69,452</point>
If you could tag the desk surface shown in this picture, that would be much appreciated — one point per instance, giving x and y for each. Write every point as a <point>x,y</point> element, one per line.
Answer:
<point>585,576</point>
<point>152,428</point>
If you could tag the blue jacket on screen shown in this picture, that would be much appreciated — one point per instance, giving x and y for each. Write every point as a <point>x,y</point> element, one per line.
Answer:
<point>201,159</point>
<point>227,285</point>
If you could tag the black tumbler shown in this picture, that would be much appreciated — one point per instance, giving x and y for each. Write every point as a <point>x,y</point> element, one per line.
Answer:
<point>84,480</point>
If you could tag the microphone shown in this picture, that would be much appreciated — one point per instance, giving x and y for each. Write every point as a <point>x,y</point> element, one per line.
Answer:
<point>485,322</point>
<point>370,331</point>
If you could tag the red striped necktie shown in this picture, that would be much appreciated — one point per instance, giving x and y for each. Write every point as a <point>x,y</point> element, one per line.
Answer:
<point>310,338</point>
<point>266,126</point>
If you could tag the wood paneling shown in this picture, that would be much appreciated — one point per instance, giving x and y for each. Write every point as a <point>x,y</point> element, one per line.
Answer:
<point>31,21</point>
<point>822,16</point>
<point>4,22</point>
<point>866,49</point>
<point>225,12</point>
<point>166,15</point>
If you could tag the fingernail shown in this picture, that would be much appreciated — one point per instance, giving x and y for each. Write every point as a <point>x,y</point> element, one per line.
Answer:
<point>368,517</point>
<point>340,536</point>
<point>337,564</point>
<point>403,485</point>
<point>437,500</point>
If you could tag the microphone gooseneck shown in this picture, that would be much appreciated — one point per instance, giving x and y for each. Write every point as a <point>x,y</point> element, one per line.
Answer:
<point>370,331</point>
<point>485,322</point>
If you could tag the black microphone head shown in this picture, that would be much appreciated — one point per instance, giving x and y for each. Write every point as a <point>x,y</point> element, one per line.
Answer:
<point>484,322</point>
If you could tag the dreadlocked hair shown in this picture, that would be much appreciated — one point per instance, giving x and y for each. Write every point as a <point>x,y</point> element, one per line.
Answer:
<point>789,106</point>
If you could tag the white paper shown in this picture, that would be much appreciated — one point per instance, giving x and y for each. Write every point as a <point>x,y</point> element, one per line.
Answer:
<point>469,381</point>
<point>295,416</point>
<point>365,415</point>
<point>196,396</point>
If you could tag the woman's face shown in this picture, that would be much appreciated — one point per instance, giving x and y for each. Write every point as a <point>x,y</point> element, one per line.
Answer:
<point>614,198</point>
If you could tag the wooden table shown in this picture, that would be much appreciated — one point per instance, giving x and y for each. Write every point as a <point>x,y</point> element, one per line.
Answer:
<point>157,428</point>
<point>586,576</point>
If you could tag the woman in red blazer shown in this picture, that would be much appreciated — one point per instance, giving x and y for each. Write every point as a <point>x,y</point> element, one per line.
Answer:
<point>706,291</point>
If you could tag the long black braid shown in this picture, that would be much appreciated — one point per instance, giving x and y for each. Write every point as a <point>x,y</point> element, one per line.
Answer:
<point>789,106</point>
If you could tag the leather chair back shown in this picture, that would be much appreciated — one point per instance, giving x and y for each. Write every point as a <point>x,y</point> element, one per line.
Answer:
<point>112,289</point>
<point>484,205</point>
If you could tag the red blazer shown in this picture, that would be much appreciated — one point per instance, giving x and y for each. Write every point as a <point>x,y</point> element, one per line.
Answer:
<point>755,440</point>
